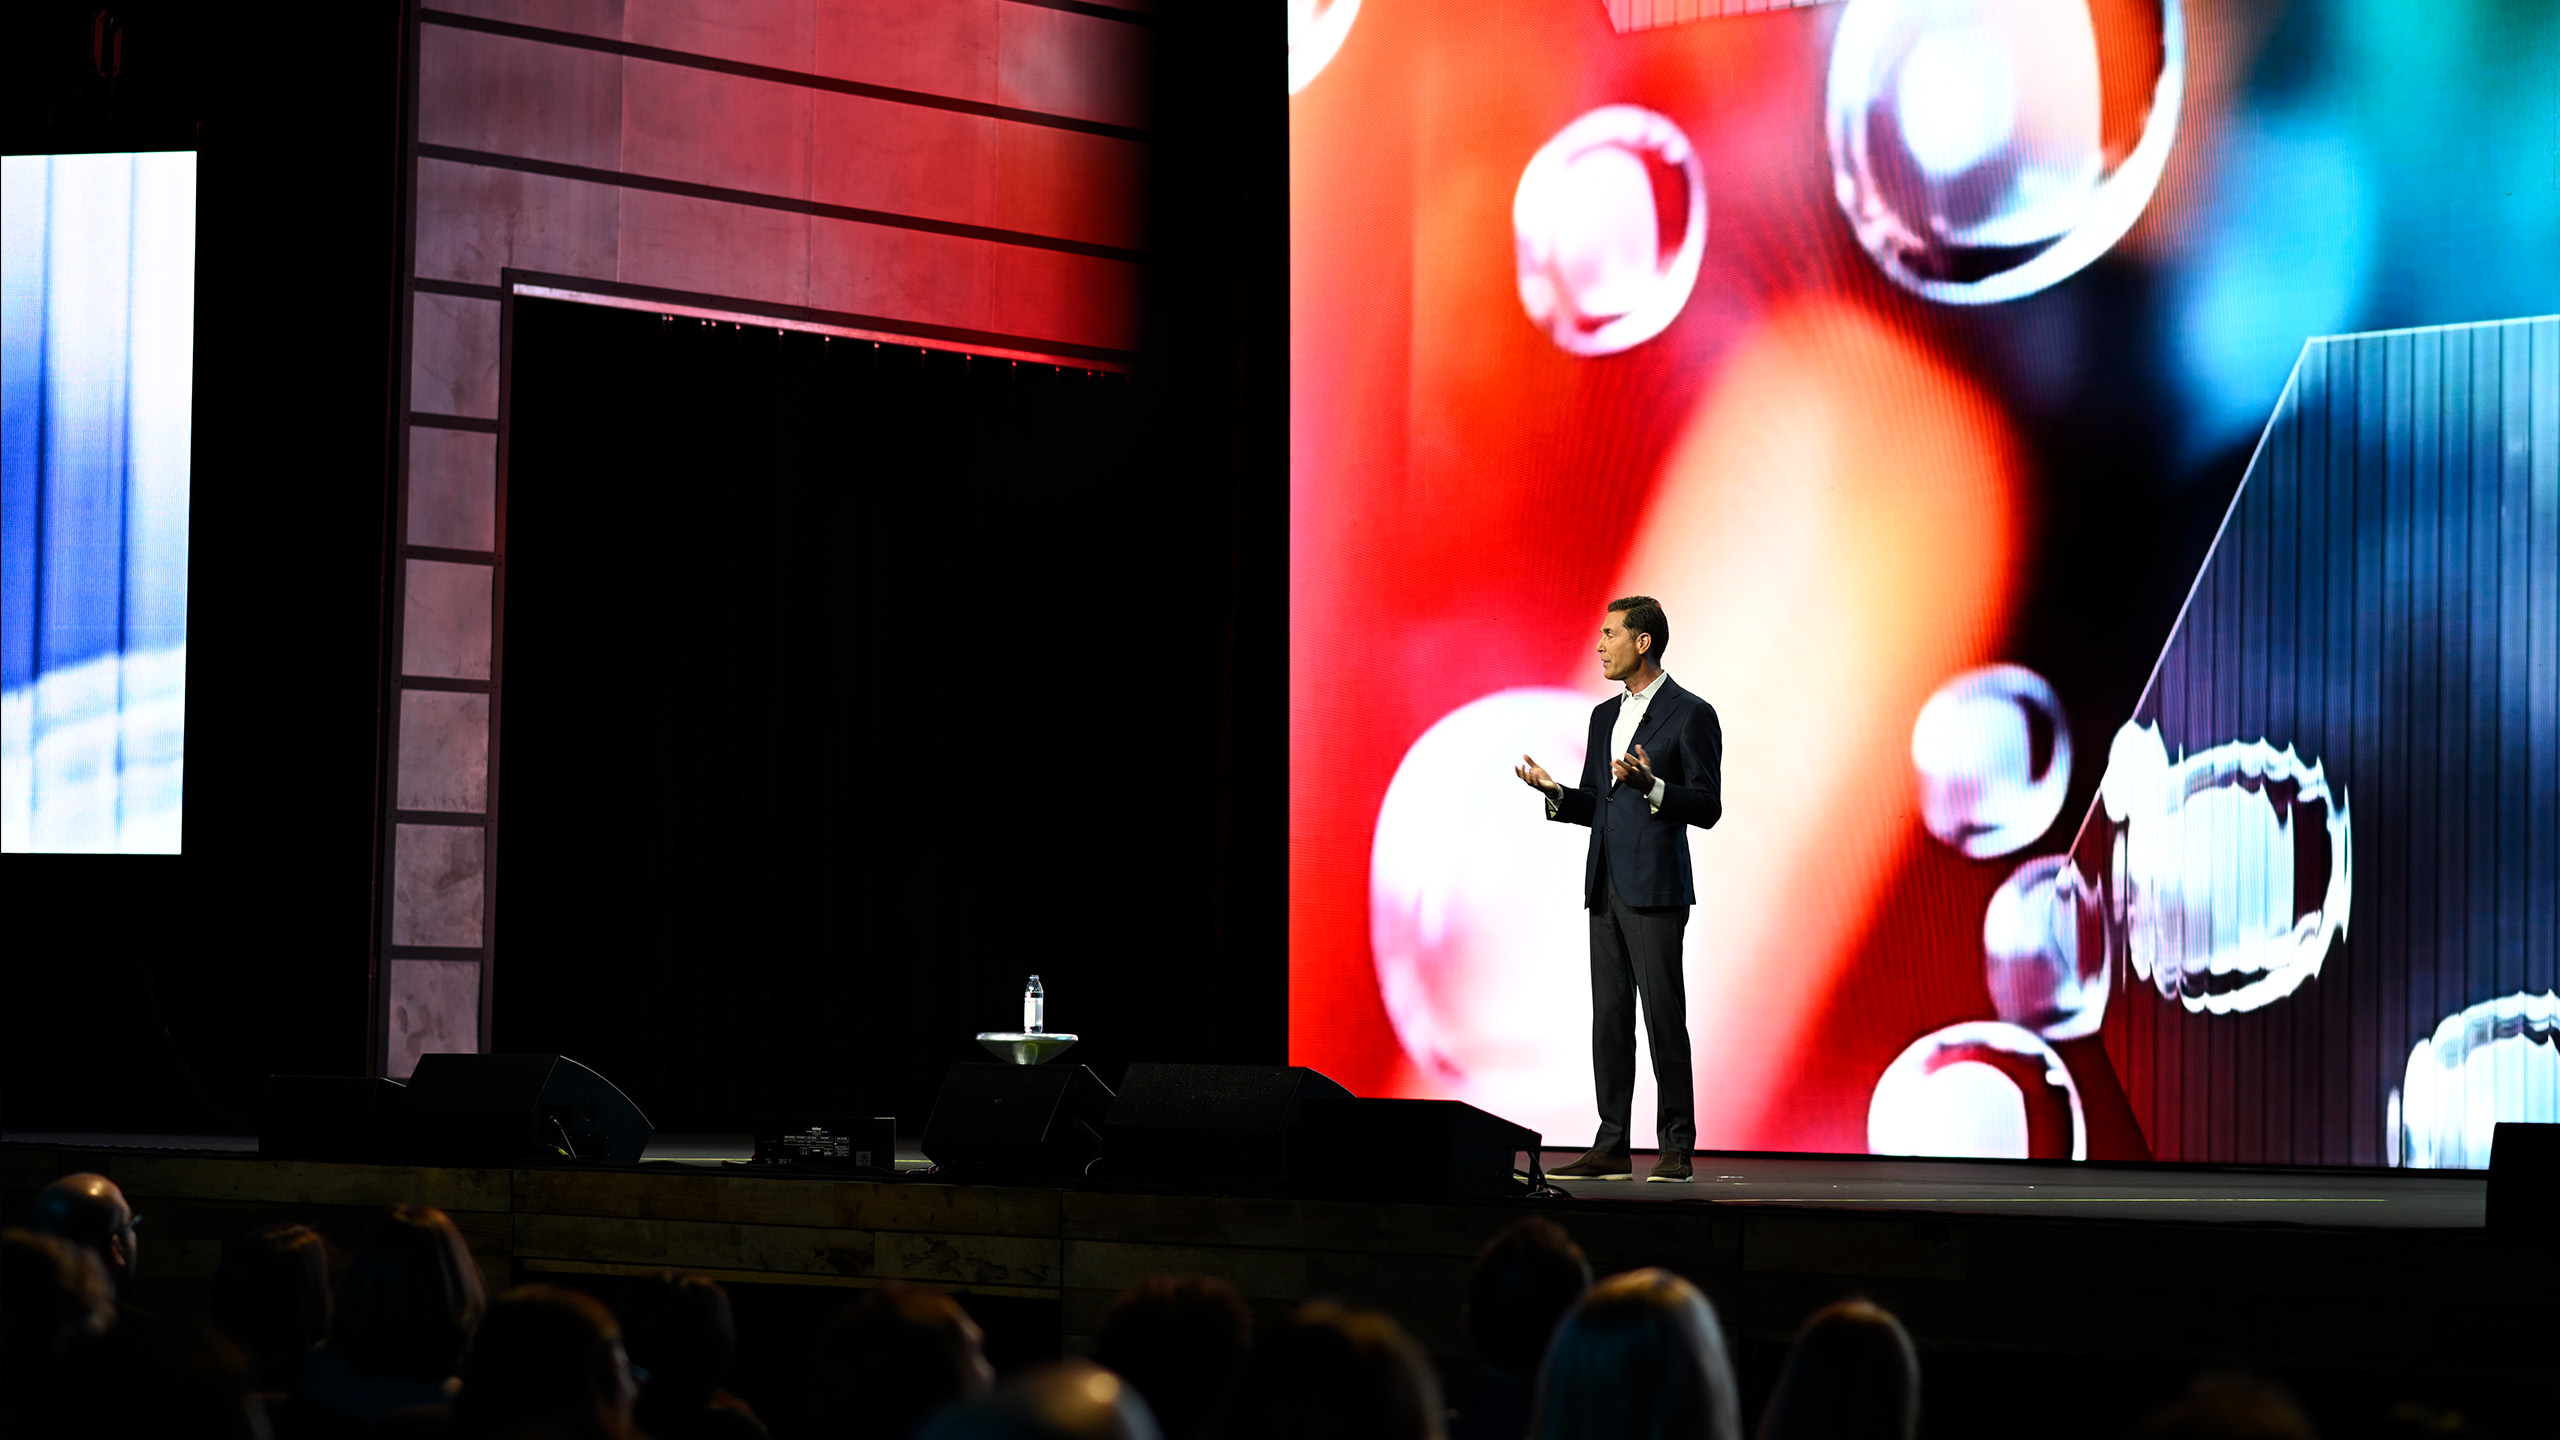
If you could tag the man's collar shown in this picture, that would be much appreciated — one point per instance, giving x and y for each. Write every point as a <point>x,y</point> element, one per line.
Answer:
<point>1645,694</point>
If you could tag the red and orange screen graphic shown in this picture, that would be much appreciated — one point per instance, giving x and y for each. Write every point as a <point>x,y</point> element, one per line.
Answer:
<point>1909,354</point>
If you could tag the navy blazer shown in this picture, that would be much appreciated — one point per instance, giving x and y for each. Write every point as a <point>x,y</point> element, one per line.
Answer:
<point>1647,850</point>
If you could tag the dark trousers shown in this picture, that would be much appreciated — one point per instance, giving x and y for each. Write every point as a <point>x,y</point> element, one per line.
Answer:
<point>1635,953</point>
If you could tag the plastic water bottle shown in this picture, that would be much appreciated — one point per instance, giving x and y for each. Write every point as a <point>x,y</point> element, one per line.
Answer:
<point>1032,1007</point>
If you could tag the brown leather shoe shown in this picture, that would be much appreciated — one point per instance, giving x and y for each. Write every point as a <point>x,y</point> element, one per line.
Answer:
<point>1595,1166</point>
<point>1674,1165</point>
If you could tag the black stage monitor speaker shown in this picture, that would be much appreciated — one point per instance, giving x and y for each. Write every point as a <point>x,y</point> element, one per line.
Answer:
<point>329,1117</point>
<point>1228,1125</point>
<point>1024,1121</point>
<point>496,1109</point>
<point>1409,1150</point>
<point>2524,1180</point>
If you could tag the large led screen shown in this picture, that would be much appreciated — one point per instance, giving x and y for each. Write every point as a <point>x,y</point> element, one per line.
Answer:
<point>2099,458</point>
<point>96,413</point>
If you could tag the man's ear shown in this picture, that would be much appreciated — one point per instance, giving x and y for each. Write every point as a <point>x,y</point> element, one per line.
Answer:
<point>1644,642</point>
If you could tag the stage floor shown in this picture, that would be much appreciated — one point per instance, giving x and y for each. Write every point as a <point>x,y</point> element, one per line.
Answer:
<point>2429,1200</point>
<point>2347,1199</point>
<point>2432,1200</point>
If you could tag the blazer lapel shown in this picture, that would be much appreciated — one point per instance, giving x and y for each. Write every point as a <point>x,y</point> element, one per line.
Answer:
<point>1664,702</point>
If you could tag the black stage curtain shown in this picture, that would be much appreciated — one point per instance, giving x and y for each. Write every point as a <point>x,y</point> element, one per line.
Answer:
<point>845,686</point>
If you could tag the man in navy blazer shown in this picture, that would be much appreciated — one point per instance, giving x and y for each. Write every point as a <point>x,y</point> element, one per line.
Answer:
<point>1653,768</point>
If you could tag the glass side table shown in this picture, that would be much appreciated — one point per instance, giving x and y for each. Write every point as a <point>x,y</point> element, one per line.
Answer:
<point>1024,1047</point>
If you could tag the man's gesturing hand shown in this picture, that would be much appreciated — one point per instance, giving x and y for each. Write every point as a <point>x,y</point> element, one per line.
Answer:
<point>1534,775</point>
<point>1635,769</point>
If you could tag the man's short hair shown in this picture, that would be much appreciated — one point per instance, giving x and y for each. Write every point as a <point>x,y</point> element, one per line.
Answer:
<point>889,1359</point>
<point>410,1299</point>
<point>1644,617</point>
<point>1182,1341</point>
<point>1525,1279</point>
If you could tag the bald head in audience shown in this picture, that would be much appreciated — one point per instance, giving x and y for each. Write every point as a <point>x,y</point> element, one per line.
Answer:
<point>1075,1400</point>
<point>90,1212</point>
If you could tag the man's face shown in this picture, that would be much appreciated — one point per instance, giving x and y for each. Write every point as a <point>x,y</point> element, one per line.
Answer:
<point>1621,650</point>
<point>128,1243</point>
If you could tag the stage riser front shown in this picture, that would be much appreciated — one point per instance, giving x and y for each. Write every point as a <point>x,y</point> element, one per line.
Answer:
<point>2438,1307</point>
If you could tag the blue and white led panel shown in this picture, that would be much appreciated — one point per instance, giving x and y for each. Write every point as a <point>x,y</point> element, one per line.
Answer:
<point>97,409</point>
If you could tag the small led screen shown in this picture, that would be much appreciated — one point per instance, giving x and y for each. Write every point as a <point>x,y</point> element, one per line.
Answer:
<point>99,307</point>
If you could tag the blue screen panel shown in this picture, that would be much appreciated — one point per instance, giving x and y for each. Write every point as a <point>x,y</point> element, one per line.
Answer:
<point>96,403</point>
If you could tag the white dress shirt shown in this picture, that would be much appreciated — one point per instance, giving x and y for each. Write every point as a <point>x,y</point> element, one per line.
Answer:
<point>1631,707</point>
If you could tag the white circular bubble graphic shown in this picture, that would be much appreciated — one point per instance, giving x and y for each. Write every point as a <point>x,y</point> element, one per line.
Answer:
<point>1608,227</point>
<point>1317,29</point>
<point>1993,754</point>
<point>1983,1089</point>
<point>1968,144</point>
<point>1475,913</point>
<point>2232,869</point>
<point>2497,1060</point>
<point>2044,954</point>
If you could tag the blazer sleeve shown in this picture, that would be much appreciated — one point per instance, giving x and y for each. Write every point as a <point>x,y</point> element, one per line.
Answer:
<point>1580,804</point>
<point>1573,805</point>
<point>1699,800</point>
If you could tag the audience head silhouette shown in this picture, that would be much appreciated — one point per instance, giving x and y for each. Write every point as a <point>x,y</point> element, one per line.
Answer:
<point>1333,1372</point>
<point>1078,1400</point>
<point>1640,1357</point>
<point>679,1331</point>
<point>890,1359</point>
<point>271,1297</point>
<point>1852,1375</point>
<point>548,1362</point>
<point>410,1299</point>
<point>89,1211</point>
<point>1181,1341</point>
<point>1525,1279</point>
<point>2229,1407</point>
<point>75,1362</point>
<point>53,1299</point>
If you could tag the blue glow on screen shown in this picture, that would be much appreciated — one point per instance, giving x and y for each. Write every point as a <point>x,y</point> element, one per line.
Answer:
<point>96,418</point>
